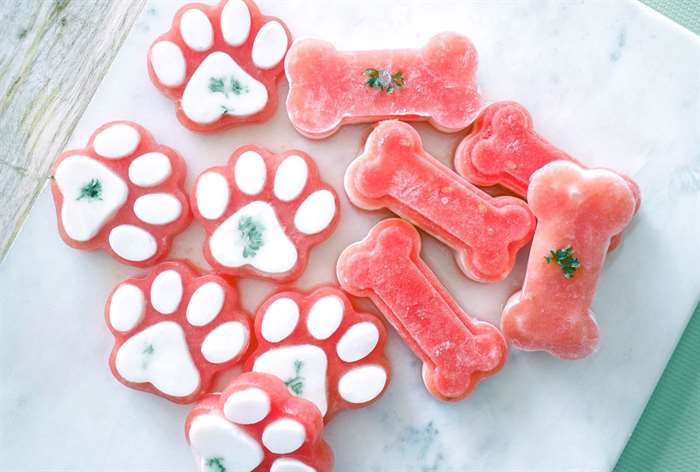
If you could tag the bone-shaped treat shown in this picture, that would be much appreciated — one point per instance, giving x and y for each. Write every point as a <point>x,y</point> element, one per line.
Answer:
<point>456,350</point>
<point>395,172</point>
<point>328,88</point>
<point>578,210</point>
<point>504,149</point>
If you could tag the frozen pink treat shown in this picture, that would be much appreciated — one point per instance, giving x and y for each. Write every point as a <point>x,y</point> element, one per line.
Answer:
<point>324,350</point>
<point>329,88</point>
<point>578,211</point>
<point>220,64</point>
<point>257,425</point>
<point>504,149</point>
<point>395,172</point>
<point>456,350</point>
<point>263,212</point>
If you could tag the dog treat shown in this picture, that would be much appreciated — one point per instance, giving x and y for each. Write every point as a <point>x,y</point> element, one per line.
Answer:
<point>395,172</point>
<point>504,149</point>
<point>220,64</point>
<point>578,211</point>
<point>256,425</point>
<point>123,193</point>
<point>263,212</point>
<point>174,329</point>
<point>328,88</point>
<point>456,350</point>
<point>321,348</point>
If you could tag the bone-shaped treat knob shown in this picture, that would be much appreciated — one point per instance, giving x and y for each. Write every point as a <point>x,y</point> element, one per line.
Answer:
<point>456,350</point>
<point>578,210</point>
<point>504,149</point>
<point>395,172</point>
<point>329,88</point>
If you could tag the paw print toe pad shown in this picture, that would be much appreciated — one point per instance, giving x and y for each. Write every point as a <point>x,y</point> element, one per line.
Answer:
<point>117,141</point>
<point>247,406</point>
<point>284,436</point>
<point>362,384</point>
<point>127,308</point>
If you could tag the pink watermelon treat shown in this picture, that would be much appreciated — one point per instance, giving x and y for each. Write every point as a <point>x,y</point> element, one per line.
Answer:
<point>263,212</point>
<point>123,193</point>
<point>174,329</point>
<point>220,64</point>
<point>256,425</point>
<point>328,88</point>
<point>323,350</point>
<point>504,149</point>
<point>395,172</point>
<point>457,351</point>
<point>578,211</point>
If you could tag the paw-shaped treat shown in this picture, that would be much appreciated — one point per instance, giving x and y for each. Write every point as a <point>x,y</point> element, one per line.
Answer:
<point>122,193</point>
<point>220,64</point>
<point>263,212</point>
<point>578,211</point>
<point>504,149</point>
<point>321,348</point>
<point>174,329</point>
<point>457,351</point>
<point>329,88</point>
<point>395,172</point>
<point>256,425</point>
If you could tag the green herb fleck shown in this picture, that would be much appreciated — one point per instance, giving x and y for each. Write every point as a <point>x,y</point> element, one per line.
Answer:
<point>216,85</point>
<point>566,259</point>
<point>216,464</point>
<point>251,235</point>
<point>296,383</point>
<point>227,85</point>
<point>384,80</point>
<point>237,87</point>
<point>91,190</point>
<point>147,352</point>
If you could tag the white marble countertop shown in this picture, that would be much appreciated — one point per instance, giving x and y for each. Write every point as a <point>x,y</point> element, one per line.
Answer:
<point>610,82</point>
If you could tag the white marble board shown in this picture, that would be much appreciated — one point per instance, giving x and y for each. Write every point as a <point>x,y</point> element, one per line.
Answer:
<point>611,82</point>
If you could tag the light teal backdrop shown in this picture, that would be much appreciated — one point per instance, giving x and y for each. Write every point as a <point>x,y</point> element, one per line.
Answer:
<point>667,437</point>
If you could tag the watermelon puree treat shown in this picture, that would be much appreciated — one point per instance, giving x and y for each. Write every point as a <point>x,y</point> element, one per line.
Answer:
<point>504,149</point>
<point>256,425</point>
<point>457,351</point>
<point>321,348</point>
<point>578,211</point>
<point>395,172</point>
<point>174,329</point>
<point>263,212</point>
<point>220,64</point>
<point>328,88</point>
<point>123,193</point>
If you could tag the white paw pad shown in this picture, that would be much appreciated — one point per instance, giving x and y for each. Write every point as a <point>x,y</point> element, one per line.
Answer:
<point>263,212</point>
<point>221,63</point>
<point>120,194</point>
<point>322,349</point>
<point>174,329</point>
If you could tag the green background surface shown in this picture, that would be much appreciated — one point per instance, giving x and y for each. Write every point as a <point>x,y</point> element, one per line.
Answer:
<point>667,437</point>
